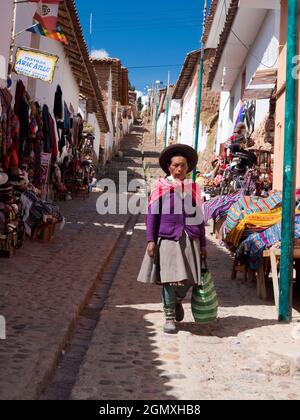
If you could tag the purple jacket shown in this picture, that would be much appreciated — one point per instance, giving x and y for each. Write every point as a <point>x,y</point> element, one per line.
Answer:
<point>164,222</point>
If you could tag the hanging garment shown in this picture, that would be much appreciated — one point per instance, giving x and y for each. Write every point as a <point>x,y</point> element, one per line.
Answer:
<point>250,110</point>
<point>24,119</point>
<point>58,104</point>
<point>47,130</point>
<point>7,116</point>
<point>241,116</point>
<point>54,139</point>
<point>20,92</point>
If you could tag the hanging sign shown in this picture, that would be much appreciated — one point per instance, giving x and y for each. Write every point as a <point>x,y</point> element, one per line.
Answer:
<point>37,65</point>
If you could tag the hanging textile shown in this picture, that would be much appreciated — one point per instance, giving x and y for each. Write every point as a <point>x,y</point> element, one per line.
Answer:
<point>6,120</point>
<point>250,110</point>
<point>58,104</point>
<point>241,116</point>
<point>47,130</point>
<point>54,139</point>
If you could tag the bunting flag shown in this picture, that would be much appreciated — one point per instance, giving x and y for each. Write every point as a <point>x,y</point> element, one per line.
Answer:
<point>57,35</point>
<point>46,14</point>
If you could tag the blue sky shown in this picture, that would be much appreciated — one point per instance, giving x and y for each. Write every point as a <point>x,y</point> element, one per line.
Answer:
<point>142,33</point>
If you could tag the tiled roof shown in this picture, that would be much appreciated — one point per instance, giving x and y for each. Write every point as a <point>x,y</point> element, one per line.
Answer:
<point>186,73</point>
<point>209,20</point>
<point>116,70</point>
<point>231,14</point>
<point>78,56</point>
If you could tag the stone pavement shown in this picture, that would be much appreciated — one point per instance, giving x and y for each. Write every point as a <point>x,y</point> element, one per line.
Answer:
<point>45,286</point>
<point>42,291</point>
<point>80,292</point>
<point>241,356</point>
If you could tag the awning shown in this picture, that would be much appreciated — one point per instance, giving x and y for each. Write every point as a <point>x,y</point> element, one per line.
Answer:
<point>255,94</point>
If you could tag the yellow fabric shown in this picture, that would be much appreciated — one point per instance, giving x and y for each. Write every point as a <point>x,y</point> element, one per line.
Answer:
<point>254,220</point>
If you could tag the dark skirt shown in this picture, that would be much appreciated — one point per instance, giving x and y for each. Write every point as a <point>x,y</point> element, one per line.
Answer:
<point>175,261</point>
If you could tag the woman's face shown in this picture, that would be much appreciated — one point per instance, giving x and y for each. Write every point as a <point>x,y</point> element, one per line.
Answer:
<point>179,167</point>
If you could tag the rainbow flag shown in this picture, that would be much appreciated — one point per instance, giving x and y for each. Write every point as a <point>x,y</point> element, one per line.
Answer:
<point>58,35</point>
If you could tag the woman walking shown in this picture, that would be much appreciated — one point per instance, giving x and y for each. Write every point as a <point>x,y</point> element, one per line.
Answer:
<point>175,233</point>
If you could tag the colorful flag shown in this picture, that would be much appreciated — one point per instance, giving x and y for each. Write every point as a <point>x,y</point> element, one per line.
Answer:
<point>46,14</point>
<point>57,35</point>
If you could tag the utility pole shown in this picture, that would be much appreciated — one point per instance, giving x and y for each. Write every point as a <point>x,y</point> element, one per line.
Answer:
<point>167,110</point>
<point>91,31</point>
<point>289,170</point>
<point>200,82</point>
<point>156,111</point>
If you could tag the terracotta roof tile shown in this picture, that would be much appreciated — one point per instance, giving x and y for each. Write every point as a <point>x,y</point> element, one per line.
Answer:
<point>231,14</point>
<point>78,56</point>
<point>209,20</point>
<point>186,73</point>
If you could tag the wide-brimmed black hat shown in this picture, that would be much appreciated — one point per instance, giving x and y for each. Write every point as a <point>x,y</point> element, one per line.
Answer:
<point>178,150</point>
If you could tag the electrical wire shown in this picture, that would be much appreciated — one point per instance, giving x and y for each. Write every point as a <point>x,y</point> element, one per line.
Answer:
<point>142,12</point>
<point>156,66</point>
<point>248,48</point>
<point>121,24</point>
<point>134,28</point>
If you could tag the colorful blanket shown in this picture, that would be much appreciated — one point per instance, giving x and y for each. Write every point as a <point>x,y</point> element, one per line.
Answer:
<point>217,207</point>
<point>253,247</point>
<point>253,221</point>
<point>247,205</point>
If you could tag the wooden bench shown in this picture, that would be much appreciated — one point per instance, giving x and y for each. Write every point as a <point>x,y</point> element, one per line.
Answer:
<point>273,255</point>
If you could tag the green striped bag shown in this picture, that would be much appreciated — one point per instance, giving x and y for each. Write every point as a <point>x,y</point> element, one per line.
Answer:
<point>204,299</point>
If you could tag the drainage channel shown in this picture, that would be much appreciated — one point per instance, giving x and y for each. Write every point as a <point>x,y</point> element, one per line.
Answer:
<point>64,378</point>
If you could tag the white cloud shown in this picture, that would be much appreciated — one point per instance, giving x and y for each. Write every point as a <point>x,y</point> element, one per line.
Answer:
<point>99,54</point>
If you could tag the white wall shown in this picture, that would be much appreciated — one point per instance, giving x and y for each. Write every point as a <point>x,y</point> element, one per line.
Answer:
<point>5,36</point>
<point>92,120</point>
<point>264,52</point>
<point>109,138</point>
<point>224,124</point>
<point>262,56</point>
<point>188,117</point>
<point>175,109</point>
<point>203,137</point>
<point>161,124</point>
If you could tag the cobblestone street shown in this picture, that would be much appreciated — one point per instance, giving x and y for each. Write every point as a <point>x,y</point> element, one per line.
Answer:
<point>79,326</point>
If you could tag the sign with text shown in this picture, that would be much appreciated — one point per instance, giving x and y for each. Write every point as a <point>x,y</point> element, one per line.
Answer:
<point>37,65</point>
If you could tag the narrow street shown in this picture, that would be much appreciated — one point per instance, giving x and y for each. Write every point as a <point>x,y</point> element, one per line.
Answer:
<point>85,329</point>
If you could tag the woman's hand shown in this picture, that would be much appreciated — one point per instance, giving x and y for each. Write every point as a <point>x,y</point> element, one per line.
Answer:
<point>151,249</point>
<point>204,253</point>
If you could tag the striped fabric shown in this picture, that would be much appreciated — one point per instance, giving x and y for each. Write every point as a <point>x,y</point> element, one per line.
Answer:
<point>254,220</point>
<point>248,205</point>
<point>218,207</point>
<point>205,300</point>
<point>58,35</point>
<point>253,247</point>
